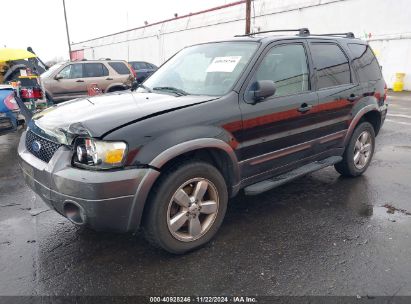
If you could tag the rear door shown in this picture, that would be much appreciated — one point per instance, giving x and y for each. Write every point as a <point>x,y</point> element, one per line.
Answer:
<point>276,132</point>
<point>96,73</point>
<point>338,91</point>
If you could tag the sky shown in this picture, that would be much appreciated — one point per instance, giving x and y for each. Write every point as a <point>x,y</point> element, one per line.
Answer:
<point>40,24</point>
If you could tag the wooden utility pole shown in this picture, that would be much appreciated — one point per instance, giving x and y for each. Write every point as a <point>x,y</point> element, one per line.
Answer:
<point>248,17</point>
<point>67,30</point>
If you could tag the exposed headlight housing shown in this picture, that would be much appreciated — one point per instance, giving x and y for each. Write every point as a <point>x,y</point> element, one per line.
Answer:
<point>98,154</point>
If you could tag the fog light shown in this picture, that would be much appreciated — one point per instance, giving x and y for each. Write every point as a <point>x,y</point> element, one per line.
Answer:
<point>74,212</point>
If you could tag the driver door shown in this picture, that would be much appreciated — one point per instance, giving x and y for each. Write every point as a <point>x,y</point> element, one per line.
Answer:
<point>71,85</point>
<point>277,131</point>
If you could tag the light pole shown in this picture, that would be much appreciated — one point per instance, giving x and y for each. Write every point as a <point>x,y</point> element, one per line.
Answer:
<point>67,30</point>
<point>248,17</point>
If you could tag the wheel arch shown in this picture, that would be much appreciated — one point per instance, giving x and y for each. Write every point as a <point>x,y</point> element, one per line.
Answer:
<point>213,151</point>
<point>114,86</point>
<point>369,113</point>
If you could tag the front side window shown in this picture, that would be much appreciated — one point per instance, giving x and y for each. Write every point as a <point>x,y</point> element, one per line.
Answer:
<point>332,65</point>
<point>206,69</point>
<point>65,72</point>
<point>286,66</point>
<point>95,70</point>
<point>364,59</point>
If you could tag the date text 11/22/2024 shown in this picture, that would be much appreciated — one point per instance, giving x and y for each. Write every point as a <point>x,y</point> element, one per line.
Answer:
<point>203,299</point>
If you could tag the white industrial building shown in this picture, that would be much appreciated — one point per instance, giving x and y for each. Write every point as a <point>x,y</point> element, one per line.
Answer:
<point>385,24</point>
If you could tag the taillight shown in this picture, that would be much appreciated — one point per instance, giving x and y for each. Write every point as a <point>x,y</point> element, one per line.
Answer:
<point>26,93</point>
<point>31,93</point>
<point>37,93</point>
<point>11,103</point>
<point>385,91</point>
<point>132,71</point>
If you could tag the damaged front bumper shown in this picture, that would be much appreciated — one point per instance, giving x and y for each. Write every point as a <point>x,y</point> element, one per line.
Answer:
<point>110,200</point>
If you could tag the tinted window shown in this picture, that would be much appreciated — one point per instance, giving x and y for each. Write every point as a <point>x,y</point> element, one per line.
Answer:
<point>332,65</point>
<point>286,65</point>
<point>365,61</point>
<point>95,70</point>
<point>120,68</point>
<point>76,70</point>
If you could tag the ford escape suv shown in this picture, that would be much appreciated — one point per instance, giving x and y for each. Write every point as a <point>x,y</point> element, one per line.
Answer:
<point>246,114</point>
<point>69,80</point>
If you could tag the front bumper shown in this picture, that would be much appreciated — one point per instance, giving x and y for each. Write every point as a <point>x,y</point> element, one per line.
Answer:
<point>111,200</point>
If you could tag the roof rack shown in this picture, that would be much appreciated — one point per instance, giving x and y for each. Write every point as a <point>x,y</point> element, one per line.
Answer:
<point>301,32</point>
<point>347,35</point>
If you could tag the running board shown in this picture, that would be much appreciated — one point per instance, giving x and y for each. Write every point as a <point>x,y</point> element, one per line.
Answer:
<point>271,183</point>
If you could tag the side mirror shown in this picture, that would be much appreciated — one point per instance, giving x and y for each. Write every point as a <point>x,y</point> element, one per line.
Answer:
<point>263,89</point>
<point>58,77</point>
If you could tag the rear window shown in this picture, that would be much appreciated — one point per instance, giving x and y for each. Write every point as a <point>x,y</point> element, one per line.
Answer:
<point>120,67</point>
<point>365,61</point>
<point>332,65</point>
<point>95,70</point>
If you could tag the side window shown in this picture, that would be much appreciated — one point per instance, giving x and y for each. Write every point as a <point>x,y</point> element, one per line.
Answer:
<point>76,70</point>
<point>332,65</point>
<point>286,66</point>
<point>365,61</point>
<point>95,70</point>
<point>65,72</point>
<point>120,68</point>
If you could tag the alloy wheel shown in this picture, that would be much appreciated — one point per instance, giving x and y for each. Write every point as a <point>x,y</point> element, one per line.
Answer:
<point>193,209</point>
<point>362,150</point>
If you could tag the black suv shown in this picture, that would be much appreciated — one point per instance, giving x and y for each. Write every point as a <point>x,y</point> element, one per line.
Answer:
<point>251,113</point>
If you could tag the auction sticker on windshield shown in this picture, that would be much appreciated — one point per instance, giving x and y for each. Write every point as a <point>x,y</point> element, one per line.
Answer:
<point>223,64</point>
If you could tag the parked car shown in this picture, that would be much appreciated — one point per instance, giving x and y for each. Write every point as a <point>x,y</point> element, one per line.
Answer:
<point>9,110</point>
<point>69,80</point>
<point>142,69</point>
<point>251,113</point>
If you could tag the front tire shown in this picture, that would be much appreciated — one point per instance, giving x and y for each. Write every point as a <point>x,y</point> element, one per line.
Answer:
<point>359,151</point>
<point>187,207</point>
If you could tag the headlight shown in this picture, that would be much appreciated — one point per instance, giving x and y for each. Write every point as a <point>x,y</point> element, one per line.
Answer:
<point>99,154</point>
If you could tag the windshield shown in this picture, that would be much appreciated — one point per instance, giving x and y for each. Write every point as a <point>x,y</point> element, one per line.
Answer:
<point>51,70</point>
<point>207,69</point>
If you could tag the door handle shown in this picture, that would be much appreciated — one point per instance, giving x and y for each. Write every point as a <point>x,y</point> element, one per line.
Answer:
<point>109,78</point>
<point>353,97</point>
<point>80,80</point>
<point>304,108</point>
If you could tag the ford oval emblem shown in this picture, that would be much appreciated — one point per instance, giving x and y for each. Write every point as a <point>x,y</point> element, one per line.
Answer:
<point>36,146</point>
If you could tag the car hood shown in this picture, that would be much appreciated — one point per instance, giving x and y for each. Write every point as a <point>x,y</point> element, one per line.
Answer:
<point>95,116</point>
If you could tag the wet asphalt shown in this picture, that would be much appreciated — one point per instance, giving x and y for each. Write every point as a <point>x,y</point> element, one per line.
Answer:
<point>319,235</point>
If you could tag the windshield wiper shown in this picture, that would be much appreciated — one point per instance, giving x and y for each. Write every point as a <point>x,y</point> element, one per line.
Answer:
<point>179,92</point>
<point>140,85</point>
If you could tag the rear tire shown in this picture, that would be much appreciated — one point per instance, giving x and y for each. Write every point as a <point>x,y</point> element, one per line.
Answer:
<point>187,207</point>
<point>359,151</point>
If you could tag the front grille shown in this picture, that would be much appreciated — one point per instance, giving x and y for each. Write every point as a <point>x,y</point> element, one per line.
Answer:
<point>41,148</point>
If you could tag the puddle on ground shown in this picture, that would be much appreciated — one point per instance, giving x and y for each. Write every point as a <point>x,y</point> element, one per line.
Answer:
<point>391,213</point>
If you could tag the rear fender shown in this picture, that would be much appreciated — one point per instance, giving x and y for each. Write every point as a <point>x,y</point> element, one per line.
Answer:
<point>364,106</point>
